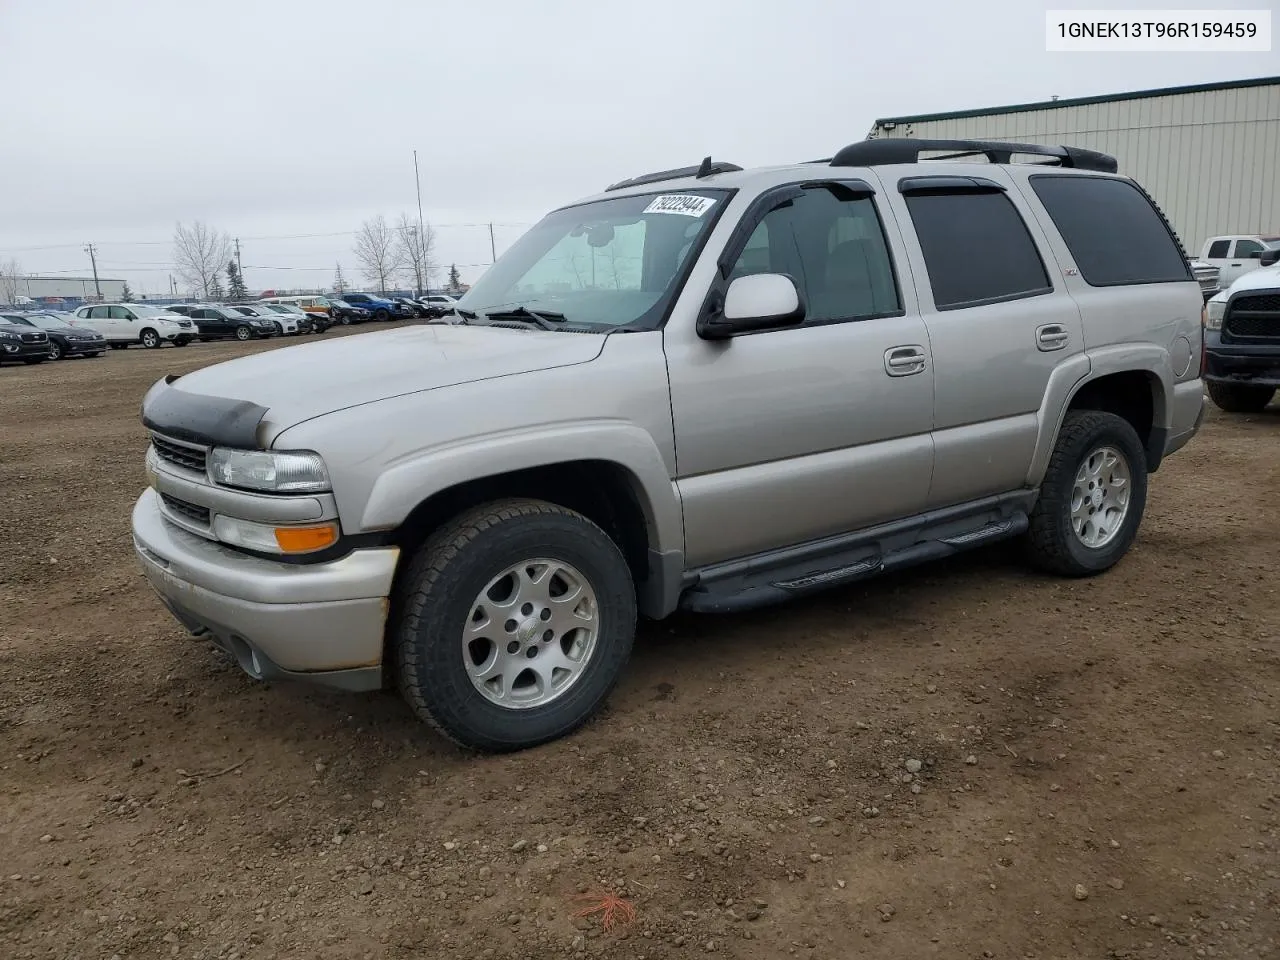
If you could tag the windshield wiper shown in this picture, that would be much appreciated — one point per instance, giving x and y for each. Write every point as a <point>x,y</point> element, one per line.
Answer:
<point>545,319</point>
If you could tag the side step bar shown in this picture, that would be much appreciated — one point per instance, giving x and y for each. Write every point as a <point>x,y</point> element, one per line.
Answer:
<point>787,574</point>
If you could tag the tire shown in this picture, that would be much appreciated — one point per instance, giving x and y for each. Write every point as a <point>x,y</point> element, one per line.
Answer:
<point>1052,542</point>
<point>279,328</point>
<point>444,588</point>
<point>381,316</point>
<point>346,320</point>
<point>55,351</point>
<point>149,339</point>
<point>243,333</point>
<point>181,342</point>
<point>118,346</point>
<point>1240,397</point>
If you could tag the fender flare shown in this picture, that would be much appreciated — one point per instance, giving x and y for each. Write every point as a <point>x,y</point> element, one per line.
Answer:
<point>405,484</point>
<point>1071,376</point>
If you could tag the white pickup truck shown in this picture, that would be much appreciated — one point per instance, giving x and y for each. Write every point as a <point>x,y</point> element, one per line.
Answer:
<point>1236,255</point>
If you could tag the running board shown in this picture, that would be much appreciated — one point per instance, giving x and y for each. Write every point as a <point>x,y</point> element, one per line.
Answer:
<point>783,575</point>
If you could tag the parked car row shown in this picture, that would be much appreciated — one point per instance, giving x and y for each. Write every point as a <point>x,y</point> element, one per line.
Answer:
<point>36,337</point>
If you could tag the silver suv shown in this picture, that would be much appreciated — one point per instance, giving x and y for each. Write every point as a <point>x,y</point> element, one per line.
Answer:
<point>707,389</point>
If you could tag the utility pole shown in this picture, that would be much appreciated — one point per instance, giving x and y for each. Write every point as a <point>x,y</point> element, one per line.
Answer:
<point>93,258</point>
<point>422,232</point>
<point>239,264</point>
<point>493,250</point>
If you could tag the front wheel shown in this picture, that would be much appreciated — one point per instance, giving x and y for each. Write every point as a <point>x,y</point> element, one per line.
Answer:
<point>243,332</point>
<point>381,316</point>
<point>150,339</point>
<point>1240,397</point>
<point>345,320</point>
<point>55,350</point>
<point>1092,497</point>
<point>514,622</point>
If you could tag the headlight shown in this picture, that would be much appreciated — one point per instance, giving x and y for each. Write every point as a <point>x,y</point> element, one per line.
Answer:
<point>1213,311</point>
<point>5,335</point>
<point>268,471</point>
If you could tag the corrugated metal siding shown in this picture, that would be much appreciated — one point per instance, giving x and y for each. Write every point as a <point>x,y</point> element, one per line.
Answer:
<point>1211,160</point>
<point>69,287</point>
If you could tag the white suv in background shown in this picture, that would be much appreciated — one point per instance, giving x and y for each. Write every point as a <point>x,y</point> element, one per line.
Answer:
<point>126,323</point>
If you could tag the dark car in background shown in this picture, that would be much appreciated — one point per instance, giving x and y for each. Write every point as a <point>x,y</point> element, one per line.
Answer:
<point>21,342</point>
<point>64,339</point>
<point>346,313</point>
<point>222,323</point>
<point>414,308</point>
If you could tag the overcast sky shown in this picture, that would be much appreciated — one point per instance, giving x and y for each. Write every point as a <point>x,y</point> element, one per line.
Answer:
<point>288,122</point>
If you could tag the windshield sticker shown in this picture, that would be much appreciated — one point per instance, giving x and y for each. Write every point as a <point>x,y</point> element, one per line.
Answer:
<point>686,205</point>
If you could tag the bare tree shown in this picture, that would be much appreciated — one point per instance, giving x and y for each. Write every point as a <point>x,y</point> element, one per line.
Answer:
<point>417,251</point>
<point>10,279</point>
<point>199,254</point>
<point>379,252</point>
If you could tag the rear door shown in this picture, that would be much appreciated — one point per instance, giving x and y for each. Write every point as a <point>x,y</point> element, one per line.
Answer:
<point>998,326</point>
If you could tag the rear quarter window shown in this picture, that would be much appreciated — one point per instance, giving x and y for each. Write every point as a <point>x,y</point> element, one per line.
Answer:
<point>1113,231</point>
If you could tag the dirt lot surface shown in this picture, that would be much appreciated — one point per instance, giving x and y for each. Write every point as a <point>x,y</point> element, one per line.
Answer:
<point>965,761</point>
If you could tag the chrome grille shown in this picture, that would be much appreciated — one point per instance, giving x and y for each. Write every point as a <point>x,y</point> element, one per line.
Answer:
<point>184,455</point>
<point>192,511</point>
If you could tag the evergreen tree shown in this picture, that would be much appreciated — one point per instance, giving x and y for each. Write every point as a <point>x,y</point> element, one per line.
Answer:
<point>127,295</point>
<point>235,284</point>
<point>455,278</point>
<point>214,291</point>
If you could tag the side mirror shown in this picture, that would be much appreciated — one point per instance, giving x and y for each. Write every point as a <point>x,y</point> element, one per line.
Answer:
<point>1253,255</point>
<point>761,301</point>
<point>1269,257</point>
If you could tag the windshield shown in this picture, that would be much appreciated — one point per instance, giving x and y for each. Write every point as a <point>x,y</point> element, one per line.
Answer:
<point>46,323</point>
<point>276,308</point>
<point>248,311</point>
<point>13,318</point>
<point>609,263</point>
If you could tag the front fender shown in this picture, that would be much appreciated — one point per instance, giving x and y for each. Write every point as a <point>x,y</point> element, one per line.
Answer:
<point>407,483</point>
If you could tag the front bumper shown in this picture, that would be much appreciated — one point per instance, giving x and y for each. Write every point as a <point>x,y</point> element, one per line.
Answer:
<point>83,348</point>
<point>22,351</point>
<point>321,622</point>
<point>1246,363</point>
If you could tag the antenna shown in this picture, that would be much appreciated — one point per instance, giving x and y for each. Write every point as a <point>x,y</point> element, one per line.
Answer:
<point>706,169</point>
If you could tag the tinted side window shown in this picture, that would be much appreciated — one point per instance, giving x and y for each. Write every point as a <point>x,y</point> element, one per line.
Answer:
<point>835,250</point>
<point>1113,232</point>
<point>976,248</point>
<point>98,313</point>
<point>1218,249</point>
<point>119,313</point>
<point>1247,248</point>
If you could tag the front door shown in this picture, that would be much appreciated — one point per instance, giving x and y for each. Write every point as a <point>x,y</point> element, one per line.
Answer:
<point>790,435</point>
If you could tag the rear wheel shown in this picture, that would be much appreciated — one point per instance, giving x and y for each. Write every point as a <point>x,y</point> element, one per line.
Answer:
<point>243,332</point>
<point>149,339</point>
<point>1092,497</point>
<point>1240,397</point>
<point>514,623</point>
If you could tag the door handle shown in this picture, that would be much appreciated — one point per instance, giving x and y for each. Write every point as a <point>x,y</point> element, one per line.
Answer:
<point>904,361</point>
<point>1052,336</point>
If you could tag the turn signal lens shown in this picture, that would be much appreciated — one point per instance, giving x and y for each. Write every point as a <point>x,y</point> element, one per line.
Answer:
<point>306,539</point>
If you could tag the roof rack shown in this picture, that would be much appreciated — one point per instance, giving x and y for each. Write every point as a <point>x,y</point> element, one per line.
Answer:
<point>872,153</point>
<point>704,169</point>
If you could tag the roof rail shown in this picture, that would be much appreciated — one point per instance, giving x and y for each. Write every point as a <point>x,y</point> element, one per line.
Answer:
<point>704,169</point>
<point>871,153</point>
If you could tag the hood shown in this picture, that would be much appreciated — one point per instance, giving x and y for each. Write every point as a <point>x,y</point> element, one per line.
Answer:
<point>17,328</point>
<point>1264,278</point>
<point>300,382</point>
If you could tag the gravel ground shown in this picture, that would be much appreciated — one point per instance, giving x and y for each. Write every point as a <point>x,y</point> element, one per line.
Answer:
<point>965,761</point>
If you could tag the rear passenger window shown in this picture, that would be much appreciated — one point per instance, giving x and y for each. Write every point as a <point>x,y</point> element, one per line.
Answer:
<point>833,246</point>
<point>1113,232</point>
<point>1218,249</point>
<point>976,249</point>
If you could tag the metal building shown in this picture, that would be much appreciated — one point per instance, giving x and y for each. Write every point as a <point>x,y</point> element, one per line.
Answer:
<point>72,288</point>
<point>1209,154</point>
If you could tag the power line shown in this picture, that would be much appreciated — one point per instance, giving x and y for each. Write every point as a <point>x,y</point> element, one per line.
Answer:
<point>289,236</point>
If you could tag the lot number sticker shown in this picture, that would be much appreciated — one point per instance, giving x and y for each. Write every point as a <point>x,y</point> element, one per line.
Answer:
<point>685,205</point>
